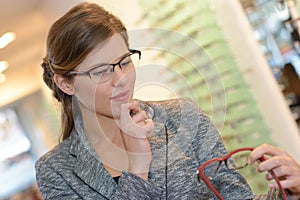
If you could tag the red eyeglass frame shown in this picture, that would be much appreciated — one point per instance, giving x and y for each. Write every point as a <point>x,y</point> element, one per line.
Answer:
<point>214,190</point>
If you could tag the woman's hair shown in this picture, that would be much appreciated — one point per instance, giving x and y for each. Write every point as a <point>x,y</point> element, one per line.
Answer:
<point>70,39</point>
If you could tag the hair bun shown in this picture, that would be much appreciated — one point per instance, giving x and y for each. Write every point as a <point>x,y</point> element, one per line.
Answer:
<point>45,63</point>
<point>48,73</point>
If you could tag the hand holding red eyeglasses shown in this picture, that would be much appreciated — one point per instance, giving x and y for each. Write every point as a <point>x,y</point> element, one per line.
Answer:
<point>282,164</point>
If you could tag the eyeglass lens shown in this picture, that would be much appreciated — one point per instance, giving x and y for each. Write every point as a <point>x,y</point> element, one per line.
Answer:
<point>239,160</point>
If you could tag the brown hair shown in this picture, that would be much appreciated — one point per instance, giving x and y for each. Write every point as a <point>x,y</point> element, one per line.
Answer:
<point>70,39</point>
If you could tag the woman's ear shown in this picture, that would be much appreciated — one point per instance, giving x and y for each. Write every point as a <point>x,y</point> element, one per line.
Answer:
<point>63,84</point>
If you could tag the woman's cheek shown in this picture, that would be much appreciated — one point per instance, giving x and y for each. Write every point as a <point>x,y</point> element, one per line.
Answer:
<point>102,101</point>
<point>87,95</point>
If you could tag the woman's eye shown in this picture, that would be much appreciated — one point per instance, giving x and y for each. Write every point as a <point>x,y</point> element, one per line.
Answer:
<point>100,71</point>
<point>126,62</point>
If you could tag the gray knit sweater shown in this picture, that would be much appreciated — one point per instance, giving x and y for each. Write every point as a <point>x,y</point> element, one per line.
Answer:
<point>184,139</point>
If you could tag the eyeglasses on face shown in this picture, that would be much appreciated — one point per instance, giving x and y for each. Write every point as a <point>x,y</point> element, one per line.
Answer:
<point>210,168</point>
<point>103,72</point>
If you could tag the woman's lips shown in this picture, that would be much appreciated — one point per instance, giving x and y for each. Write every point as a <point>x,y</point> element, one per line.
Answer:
<point>123,96</point>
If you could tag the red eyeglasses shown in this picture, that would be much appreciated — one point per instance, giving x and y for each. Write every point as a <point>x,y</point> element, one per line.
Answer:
<point>240,157</point>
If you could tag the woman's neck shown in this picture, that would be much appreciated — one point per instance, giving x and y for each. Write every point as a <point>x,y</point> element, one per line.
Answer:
<point>106,137</point>
<point>99,127</point>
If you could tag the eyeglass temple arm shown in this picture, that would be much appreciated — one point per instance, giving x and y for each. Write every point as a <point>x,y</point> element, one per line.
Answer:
<point>83,73</point>
<point>206,180</point>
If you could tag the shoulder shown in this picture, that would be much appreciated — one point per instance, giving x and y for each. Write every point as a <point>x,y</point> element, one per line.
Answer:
<point>57,156</point>
<point>178,112</point>
<point>173,102</point>
<point>171,105</point>
<point>177,108</point>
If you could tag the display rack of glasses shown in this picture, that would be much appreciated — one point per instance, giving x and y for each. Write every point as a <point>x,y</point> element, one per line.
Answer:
<point>243,124</point>
<point>277,45</point>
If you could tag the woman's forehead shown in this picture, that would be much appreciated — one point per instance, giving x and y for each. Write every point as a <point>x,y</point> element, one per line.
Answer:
<point>108,51</point>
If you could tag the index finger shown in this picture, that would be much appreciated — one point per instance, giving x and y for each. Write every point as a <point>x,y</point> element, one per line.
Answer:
<point>134,106</point>
<point>265,149</point>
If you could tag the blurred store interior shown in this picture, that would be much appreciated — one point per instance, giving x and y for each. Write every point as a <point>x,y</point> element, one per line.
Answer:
<point>253,48</point>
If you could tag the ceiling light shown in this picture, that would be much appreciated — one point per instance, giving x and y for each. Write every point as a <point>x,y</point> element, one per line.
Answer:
<point>3,66</point>
<point>7,38</point>
<point>2,78</point>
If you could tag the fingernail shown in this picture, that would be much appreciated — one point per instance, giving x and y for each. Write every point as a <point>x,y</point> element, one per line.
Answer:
<point>272,185</point>
<point>249,162</point>
<point>258,169</point>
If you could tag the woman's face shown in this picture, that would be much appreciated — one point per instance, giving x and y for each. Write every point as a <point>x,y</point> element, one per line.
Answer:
<point>105,98</point>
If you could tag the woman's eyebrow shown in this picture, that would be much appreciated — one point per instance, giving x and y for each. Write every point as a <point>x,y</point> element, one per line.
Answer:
<point>116,60</point>
<point>120,57</point>
<point>97,65</point>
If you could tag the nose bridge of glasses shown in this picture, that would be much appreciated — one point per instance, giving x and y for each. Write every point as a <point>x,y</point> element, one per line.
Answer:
<point>113,65</point>
<point>215,169</point>
<point>117,74</point>
<point>113,68</point>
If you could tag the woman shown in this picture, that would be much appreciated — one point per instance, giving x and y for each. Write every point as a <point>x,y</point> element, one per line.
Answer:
<point>114,147</point>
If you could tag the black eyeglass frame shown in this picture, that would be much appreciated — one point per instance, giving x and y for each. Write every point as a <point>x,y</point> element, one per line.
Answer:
<point>87,72</point>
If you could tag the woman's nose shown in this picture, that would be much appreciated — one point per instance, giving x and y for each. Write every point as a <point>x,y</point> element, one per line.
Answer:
<point>119,77</point>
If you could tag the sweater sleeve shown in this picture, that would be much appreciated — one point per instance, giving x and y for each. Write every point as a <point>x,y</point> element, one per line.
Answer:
<point>272,194</point>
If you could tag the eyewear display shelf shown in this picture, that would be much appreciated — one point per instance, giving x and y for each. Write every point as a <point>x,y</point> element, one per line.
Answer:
<point>215,80</point>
